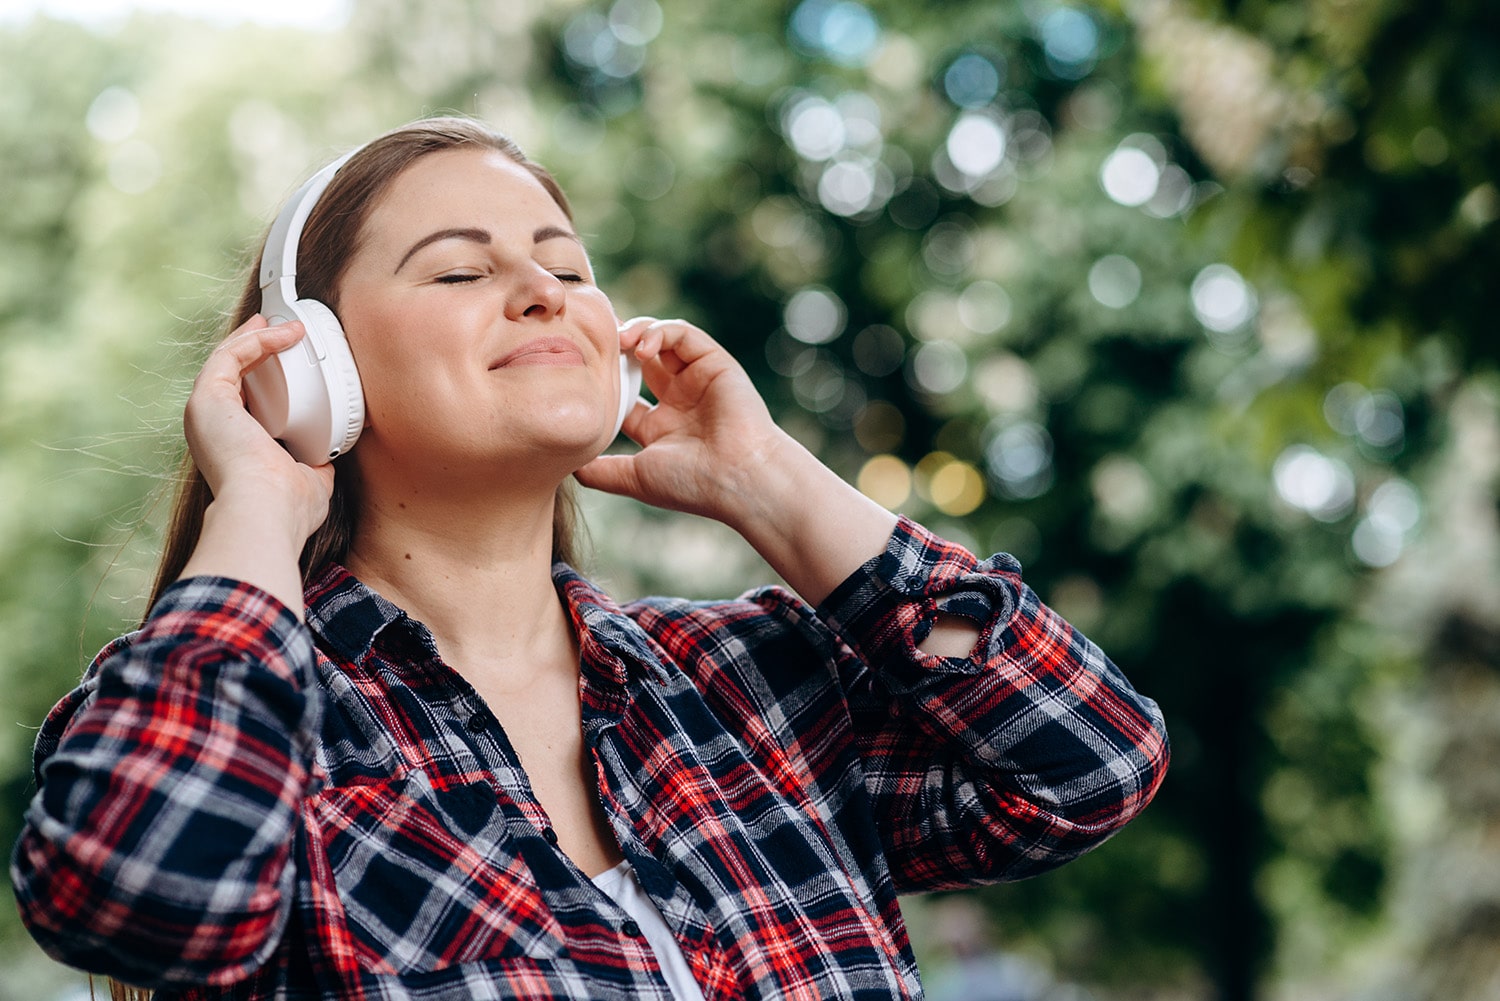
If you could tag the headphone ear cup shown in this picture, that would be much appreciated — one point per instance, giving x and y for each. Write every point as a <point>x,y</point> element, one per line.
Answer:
<point>346,396</point>
<point>630,387</point>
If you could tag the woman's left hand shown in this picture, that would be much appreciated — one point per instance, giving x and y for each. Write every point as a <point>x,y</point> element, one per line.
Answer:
<point>705,437</point>
<point>710,447</point>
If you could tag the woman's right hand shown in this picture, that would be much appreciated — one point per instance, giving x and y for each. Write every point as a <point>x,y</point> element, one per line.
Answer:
<point>265,503</point>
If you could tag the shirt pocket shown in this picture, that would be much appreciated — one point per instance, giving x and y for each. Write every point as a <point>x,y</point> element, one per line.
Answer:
<point>425,878</point>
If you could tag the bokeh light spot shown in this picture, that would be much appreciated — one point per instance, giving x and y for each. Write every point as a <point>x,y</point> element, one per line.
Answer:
<point>815,128</point>
<point>114,115</point>
<point>1379,419</point>
<point>1006,384</point>
<point>984,307</point>
<point>1122,490</point>
<point>1312,482</point>
<point>1222,300</point>
<point>1173,195</point>
<point>635,22</point>
<point>1019,459</point>
<point>592,42</point>
<point>1339,405</point>
<point>1395,506</point>
<point>852,185</point>
<point>976,144</point>
<point>948,248</point>
<point>1391,515</point>
<point>1115,281</point>
<point>939,367</point>
<point>971,80</point>
<point>886,480</point>
<point>842,30</point>
<point>956,488</point>
<point>814,315</point>
<point>1070,42</point>
<point>1130,176</point>
<point>820,387</point>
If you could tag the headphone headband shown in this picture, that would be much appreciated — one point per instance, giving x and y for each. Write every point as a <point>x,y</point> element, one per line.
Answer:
<point>278,261</point>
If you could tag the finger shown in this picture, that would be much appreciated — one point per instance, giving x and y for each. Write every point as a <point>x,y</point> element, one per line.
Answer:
<point>631,331</point>
<point>254,345</point>
<point>658,343</point>
<point>687,341</point>
<point>683,345</point>
<point>246,348</point>
<point>666,361</point>
<point>650,350</point>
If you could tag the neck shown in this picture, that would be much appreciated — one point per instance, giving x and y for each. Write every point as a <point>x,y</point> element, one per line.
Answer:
<point>475,569</point>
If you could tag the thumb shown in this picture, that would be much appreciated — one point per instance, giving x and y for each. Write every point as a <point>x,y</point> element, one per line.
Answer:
<point>614,474</point>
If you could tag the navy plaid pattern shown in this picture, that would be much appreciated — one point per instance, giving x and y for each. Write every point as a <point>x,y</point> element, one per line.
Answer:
<point>234,805</point>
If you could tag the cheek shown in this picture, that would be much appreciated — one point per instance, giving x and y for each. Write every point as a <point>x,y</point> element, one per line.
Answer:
<point>393,372</point>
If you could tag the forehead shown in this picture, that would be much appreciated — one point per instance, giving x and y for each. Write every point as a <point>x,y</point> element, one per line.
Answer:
<point>462,187</point>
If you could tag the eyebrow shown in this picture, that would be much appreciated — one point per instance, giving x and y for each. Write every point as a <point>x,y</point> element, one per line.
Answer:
<point>475,235</point>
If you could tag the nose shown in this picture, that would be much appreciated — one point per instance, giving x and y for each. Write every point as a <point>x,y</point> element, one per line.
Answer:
<point>538,295</point>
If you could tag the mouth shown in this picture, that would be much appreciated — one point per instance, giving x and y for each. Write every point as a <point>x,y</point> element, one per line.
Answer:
<point>541,351</point>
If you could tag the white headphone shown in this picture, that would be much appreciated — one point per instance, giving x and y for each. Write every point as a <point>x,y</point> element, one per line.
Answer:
<point>309,396</point>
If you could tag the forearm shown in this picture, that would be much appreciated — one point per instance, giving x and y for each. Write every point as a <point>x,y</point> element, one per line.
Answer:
<point>157,848</point>
<point>1024,754</point>
<point>249,539</point>
<point>811,526</point>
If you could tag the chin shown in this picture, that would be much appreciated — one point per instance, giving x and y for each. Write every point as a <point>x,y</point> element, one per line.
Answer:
<point>571,421</point>
<point>571,444</point>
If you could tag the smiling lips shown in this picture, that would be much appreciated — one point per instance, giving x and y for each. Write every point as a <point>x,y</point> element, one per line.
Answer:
<point>542,351</point>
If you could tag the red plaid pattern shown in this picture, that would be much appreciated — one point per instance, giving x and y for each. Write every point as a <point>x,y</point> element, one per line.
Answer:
<point>235,805</point>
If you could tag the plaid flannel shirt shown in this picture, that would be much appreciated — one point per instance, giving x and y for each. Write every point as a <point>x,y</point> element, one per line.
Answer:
<point>235,805</point>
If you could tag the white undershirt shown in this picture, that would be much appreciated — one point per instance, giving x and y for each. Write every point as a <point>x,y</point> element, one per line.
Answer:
<point>621,886</point>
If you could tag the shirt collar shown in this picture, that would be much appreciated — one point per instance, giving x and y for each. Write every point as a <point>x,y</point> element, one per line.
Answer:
<point>620,647</point>
<point>348,616</point>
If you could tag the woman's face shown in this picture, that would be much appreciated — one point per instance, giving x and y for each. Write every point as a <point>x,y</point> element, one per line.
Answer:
<point>481,339</point>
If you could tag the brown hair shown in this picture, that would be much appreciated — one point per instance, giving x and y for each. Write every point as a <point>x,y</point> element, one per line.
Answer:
<point>329,239</point>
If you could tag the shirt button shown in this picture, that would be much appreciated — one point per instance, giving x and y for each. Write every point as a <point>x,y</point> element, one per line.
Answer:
<point>480,721</point>
<point>631,929</point>
<point>549,836</point>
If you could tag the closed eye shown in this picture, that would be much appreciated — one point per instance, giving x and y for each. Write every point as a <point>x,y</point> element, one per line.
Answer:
<point>464,278</point>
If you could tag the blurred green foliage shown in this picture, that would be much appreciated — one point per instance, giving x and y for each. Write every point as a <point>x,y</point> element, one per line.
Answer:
<point>1171,300</point>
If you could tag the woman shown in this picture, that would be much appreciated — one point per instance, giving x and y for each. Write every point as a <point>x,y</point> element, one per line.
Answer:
<point>408,766</point>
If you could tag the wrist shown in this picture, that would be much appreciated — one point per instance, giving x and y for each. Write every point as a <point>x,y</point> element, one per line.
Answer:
<point>250,542</point>
<point>768,482</point>
<point>253,522</point>
<point>809,524</point>
<point>275,511</point>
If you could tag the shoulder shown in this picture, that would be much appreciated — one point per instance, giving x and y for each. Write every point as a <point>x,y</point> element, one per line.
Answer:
<point>60,715</point>
<point>766,634</point>
<point>764,610</point>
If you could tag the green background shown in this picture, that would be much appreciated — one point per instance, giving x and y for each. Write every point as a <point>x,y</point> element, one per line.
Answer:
<point>1188,304</point>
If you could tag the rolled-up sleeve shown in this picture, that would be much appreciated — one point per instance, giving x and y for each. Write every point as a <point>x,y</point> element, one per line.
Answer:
<point>997,766</point>
<point>157,847</point>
